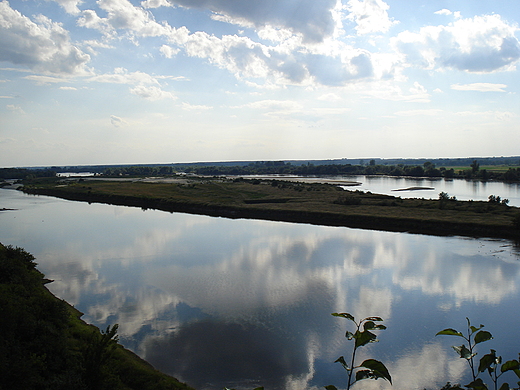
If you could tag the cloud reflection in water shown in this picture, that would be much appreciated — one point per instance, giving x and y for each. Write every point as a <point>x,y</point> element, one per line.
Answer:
<point>193,293</point>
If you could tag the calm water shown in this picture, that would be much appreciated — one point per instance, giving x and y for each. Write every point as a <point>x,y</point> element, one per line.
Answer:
<point>461,189</point>
<point>242,303</point>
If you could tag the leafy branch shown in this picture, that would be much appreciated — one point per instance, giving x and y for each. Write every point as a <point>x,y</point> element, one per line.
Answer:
<point>370,368</point>
<point>489,362</point>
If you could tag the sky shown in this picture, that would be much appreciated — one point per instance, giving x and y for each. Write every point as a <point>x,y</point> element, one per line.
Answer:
<point>164,81</point>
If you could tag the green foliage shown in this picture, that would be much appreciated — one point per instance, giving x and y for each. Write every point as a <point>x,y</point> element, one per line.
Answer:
<point>44,345</point>
<point>490,363</point>
<point>33,328</point>
<point>363,335</point>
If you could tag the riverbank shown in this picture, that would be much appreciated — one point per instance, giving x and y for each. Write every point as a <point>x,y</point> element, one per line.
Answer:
<point>280,200</point>
<point>46,345</point>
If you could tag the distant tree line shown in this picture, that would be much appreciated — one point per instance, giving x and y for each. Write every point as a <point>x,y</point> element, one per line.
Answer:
<point>24,173</point>
<point>428,169</point>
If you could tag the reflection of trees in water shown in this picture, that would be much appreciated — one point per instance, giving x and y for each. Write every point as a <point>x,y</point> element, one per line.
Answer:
<point>219,353</point>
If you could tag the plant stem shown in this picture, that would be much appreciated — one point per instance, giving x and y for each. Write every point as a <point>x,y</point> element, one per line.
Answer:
<point>349,383</point>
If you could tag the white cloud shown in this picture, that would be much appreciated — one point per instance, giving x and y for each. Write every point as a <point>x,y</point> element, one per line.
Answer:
<point>371,16</point>
<point>480,44</point>
<point>45,80</point>
<point>168,51</point>
<point>122,76</point>
<point>70,6</point>
<point>155,3</point>
<point>290,61</point>
<point>443,11</point>
<point>152,93</point>
<point>42,45</point>
<point>482,87</point>
<point>121,14</point>
<point>15,109</point>
<point>192,107</point>
<point>329,97</point>
<point>427,112</point>
<point>273,105</point>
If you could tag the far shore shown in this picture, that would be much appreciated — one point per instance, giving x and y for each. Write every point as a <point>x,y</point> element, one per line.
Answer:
<point>287,201</point>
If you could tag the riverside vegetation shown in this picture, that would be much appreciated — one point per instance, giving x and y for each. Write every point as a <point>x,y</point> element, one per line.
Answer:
<point>281,200</point>
<point>45,345</point>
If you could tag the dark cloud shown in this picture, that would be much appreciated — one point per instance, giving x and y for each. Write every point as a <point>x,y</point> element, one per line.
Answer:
<point>222,353</point>
<point>486,58</point>
<point>312,18</point>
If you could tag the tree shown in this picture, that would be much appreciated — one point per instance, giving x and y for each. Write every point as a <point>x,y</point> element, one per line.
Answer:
<point>475,166</point>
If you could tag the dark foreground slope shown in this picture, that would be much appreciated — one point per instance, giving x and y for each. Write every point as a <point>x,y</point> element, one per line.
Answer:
<point>45,345</point>
<point>315,203</point>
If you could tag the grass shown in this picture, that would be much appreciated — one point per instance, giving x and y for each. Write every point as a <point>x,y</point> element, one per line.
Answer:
<point>489,168</point>
<point>297,202</point>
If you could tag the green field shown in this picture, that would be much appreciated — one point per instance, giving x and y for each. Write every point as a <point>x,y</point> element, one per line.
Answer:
<point>315,203</point>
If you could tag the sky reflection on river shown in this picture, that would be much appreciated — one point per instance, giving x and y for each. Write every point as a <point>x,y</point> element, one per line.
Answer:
<point>241,303</point>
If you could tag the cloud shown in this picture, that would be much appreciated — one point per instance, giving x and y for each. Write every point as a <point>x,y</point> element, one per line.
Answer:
<point>427,112</point>
<point>70,6</point>
<point>15,109</point>
<point>290,61</point>
<point>155,3</point>
<point>329,97</point>
<point>371,16</point>
<point>42,45</point>
<point>121,14</point>
<point>144,85</point>
<point>168,51</point>
<point>152,93</point>
<point>443,11</point>
<point>192,107</point>
<point>45,80</point>
<point>482,87</point>
<point>481,44</point>
<point>122,76</point>
<point>273,105</point>
<point>117,121</point>
<point>314,20</point>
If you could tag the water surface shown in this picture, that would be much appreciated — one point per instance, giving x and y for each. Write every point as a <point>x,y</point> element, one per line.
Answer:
<point>242,303</point>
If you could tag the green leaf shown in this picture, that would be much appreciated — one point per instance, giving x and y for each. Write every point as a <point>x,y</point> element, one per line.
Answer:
<point>482,336</point>
<point>517,372</point>
<point>349,335</point>
<point>374,319</point>
<point>348,316</point>
<point>331,387</point>
<point>378,369</point>
<point>477,384</point>
<point>371,325</point>
<point>510,365</point>
<point>363,338</point>
<point>341,360</point>
<point>449,332</point>
<point>505,386</point>
<point>487,361</point>
<point>364,374</point>
<point>464,352</point>
<point>474,329</point>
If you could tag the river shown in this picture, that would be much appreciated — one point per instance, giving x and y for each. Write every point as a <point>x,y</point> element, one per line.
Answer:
<point>243,303</point>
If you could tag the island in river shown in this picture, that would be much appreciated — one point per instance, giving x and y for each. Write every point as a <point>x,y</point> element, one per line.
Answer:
<point>291,201</point>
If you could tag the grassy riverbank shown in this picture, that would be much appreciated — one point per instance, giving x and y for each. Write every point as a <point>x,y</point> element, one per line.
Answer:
<point>45,345</point>
<point>280,200</point>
